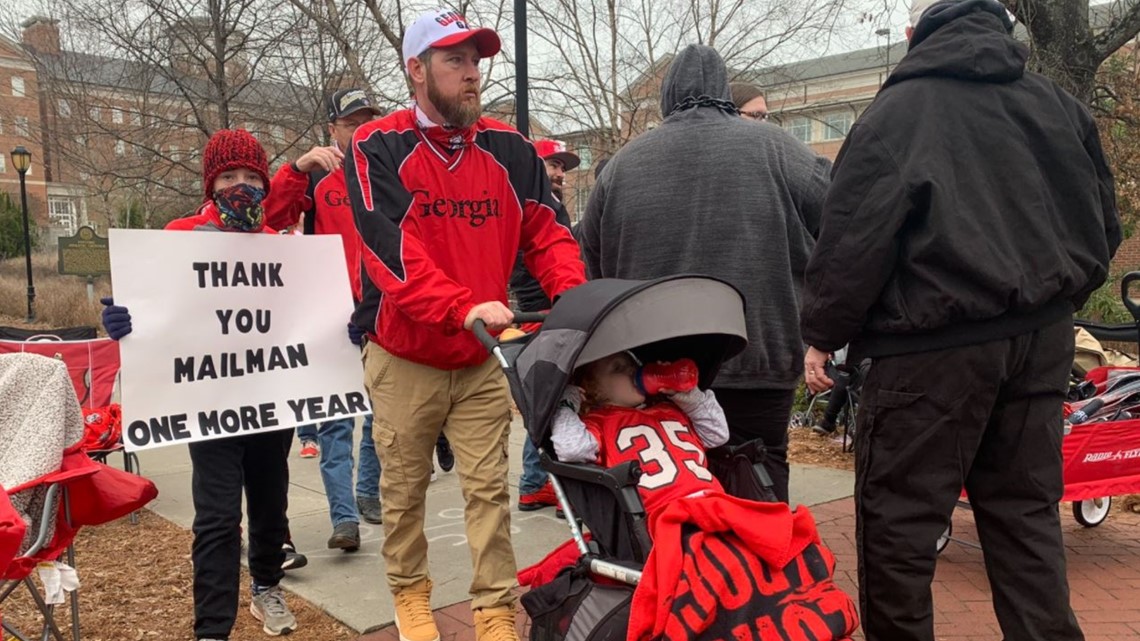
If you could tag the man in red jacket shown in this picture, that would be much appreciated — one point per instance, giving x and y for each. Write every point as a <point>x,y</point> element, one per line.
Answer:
<point>443,201</point>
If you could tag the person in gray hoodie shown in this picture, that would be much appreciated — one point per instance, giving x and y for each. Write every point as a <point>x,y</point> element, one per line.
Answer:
<point>711,193</point>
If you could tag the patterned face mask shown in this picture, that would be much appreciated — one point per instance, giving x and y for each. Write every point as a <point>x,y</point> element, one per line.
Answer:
<point>239,206</point>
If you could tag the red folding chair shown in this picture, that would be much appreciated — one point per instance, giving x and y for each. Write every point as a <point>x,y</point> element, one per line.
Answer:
<point>78,493</point>
<point>93,365</point>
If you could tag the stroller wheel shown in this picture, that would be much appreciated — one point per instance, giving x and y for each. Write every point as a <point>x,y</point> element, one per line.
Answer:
<point>1092,512</point>
<point>944,539</point>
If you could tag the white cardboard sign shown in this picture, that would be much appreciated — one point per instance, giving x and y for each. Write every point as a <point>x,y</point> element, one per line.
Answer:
<point>232,334</point>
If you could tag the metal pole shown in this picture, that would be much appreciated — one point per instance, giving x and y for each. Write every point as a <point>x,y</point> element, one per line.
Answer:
<point>522,105</point>
<point>28,247</point>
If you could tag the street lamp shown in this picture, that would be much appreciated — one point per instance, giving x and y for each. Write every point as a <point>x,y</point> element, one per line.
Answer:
<point>884,32</point>
<point>22,161</point>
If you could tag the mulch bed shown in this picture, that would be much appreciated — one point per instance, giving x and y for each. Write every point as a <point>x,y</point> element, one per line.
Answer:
<point>136,586</point>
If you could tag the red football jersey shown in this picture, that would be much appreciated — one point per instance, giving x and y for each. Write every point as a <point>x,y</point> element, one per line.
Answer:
<point>661,438</point>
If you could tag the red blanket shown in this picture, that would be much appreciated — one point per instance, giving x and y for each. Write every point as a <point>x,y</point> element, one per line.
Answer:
<point>726,568</point>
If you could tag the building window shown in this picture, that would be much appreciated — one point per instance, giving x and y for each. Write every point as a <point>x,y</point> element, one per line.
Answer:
<point>64,108</point>
<point>81,140</point>
<point>3,167</point>
<point>95,113</point>
<point>61,213</point>
<point>175,153</point>
<point>278,133</point>
<point>17,87</point>
<point>1,124</point>
<point>117,116</point>
<point>800,128</point>
<point>120,148</point>
<point>587,156</point>
<point>836,125</point>
<point>136,118</point>
<point>20,127</point>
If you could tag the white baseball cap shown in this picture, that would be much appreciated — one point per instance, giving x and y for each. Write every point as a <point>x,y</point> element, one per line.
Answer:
<point>919,7</point>
<point>443,28</point>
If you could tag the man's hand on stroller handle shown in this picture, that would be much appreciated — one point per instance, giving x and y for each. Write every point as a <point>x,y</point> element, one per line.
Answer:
<point>815,370</point>
<point>494,315</point>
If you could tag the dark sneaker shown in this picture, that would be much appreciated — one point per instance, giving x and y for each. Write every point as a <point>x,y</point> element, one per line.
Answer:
<point>294,560</point>
<point>369,509</point>
<point>444,454</point>
<point>544,497</point>
<point>269,607</point>
<point>345,536</point>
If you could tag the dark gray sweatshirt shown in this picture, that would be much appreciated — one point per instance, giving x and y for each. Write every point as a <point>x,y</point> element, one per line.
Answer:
<point>708,192</point>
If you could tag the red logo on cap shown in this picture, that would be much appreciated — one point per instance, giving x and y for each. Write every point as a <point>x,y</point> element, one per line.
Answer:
<point>452,17</point>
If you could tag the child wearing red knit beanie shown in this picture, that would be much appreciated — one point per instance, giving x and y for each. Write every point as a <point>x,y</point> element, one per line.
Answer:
<point>235,181</point>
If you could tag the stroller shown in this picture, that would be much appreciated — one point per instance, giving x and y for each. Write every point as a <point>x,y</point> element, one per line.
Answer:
<point>666,319</point>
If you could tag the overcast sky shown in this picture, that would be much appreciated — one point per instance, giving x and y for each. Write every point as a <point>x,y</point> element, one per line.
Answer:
<point>854,35</point>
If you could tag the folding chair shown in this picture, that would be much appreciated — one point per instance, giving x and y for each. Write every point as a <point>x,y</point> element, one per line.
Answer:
<point>93,364</point>
<point>53,504</point>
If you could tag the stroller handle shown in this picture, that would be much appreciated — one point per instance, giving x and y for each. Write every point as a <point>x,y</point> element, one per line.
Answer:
<point>492,344</point>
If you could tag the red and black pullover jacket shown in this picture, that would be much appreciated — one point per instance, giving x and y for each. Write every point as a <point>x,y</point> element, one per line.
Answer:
<point>323,197</point>
<point>440,228</point>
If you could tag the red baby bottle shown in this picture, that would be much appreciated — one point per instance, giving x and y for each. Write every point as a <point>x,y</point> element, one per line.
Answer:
<point>677,376</point>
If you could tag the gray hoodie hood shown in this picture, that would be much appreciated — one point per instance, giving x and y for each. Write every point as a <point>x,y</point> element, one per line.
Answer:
<point>697,71</point>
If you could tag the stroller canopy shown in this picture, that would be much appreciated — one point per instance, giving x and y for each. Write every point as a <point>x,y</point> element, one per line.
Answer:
<point>686,316</point>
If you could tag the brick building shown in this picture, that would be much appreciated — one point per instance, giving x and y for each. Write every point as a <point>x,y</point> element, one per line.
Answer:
<point>117,142</point>
<point>19,116</point>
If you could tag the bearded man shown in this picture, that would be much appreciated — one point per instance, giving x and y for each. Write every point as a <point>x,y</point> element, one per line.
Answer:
<point>443,200</point>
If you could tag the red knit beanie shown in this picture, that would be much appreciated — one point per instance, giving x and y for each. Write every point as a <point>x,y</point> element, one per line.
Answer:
<point>230,149</point>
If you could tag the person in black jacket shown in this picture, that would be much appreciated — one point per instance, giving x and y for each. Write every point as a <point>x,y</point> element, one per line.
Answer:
<point>971,212</point>
<point>535,491</point>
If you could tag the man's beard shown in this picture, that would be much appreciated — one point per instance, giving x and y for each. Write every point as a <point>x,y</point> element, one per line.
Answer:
<point>557,189</point>
<point>456,111</point>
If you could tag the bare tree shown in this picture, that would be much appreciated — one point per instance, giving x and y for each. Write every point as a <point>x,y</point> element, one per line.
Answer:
<point>130,92</point>
<point>609,57</point>
<point>369,37</point>
<point>1069,43</point>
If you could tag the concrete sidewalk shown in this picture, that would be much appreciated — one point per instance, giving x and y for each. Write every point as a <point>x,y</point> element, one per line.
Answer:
<point>351,587</point>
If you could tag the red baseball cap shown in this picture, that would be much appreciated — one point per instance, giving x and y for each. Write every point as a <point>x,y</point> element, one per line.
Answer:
<point>444,28</point>
<point>556,150</point>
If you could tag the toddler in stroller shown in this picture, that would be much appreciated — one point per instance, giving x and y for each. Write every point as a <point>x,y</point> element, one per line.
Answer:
<point>716,566</point>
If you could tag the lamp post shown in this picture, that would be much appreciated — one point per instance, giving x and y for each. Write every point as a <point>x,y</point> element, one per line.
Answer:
<point>522,102</point>
<point>22,161</point>
<point>886,33</point>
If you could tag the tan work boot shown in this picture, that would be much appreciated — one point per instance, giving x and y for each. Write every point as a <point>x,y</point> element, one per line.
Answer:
<point>496,624</point>
<point>413,613</point>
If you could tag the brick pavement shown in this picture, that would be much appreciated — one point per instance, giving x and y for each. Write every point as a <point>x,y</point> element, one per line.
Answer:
<point>1104,576</point>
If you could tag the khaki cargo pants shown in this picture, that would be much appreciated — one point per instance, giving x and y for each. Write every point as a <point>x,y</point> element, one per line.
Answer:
<point>411,404</point>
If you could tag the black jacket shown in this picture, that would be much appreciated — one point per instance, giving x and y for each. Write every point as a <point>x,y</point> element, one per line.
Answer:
<point>528,292</point>
<point>971,202</point>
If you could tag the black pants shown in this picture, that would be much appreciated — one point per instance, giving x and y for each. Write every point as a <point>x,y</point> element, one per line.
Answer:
<point>761,414</point>
<point>259,463</point>
<point>986,417</point>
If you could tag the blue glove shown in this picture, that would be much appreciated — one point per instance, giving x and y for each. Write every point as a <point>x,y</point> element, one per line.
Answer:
<point>355,334</point>
<point>116,319</point>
